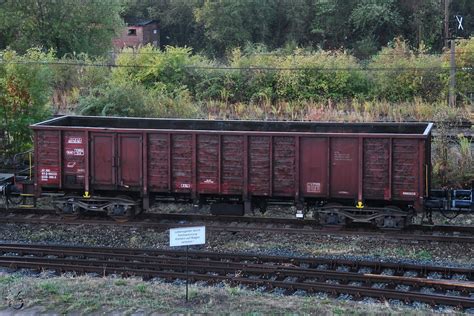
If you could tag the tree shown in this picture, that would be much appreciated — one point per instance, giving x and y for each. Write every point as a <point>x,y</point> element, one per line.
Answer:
<point>331,23</point>
<point>380,18</point>
<point>423,22</point>
<point>25,90</point>
<point>291,22</point>
<point>230,23</point>
<point>67,26</point>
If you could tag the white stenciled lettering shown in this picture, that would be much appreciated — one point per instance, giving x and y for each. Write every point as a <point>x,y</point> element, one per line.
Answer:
<point>78,151</point>
<point>342,156</point>
<point>313,187</point>
<point>74,140</point>
<point>48,174</point>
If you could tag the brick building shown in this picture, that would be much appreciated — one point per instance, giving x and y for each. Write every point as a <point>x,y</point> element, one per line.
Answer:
<point>139,34</point>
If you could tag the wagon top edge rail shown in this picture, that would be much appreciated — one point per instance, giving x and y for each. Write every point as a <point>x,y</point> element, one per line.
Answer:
<point>93,122</point>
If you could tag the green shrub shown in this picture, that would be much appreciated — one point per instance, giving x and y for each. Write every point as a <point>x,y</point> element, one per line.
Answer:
<point>125,99</point>
<point>464,65</point>
<point>400,74</point>
<point>25,91</point>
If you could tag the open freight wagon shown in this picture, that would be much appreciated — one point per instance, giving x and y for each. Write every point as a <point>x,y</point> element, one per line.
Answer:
<point>362,172</point>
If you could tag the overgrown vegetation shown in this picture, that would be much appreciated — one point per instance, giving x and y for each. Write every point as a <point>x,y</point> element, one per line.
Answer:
<point>67,26</point>
<point>25,91</point>
<point>453,160</point>
<point>398,84</point>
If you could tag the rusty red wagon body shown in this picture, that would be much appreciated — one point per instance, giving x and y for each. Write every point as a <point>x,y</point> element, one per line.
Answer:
<point>349,169</point>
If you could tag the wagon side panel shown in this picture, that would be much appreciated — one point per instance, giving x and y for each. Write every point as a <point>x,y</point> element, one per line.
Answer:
<point>284,165</point>
<point>48,158</point>
<point>260,165</point>
<point>159,162</point>
<point>232,164</point>
<point>74,165</point>
<point>344,170</point>
<point>182,150</point>
<point>376,169</point>
<point>129,160</point>
<point>103,160</point>
<point>314,166</point>
<point>406,161</point>
<point>208,163</point>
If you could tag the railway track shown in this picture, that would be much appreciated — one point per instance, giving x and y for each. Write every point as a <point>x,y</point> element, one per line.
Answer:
<point>446,233</point>
<point>383,280</point>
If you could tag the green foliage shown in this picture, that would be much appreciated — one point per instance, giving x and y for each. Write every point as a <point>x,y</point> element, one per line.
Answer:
<point>141,288</point>
<point>125,99</point>
<point>72,80</point>
<point>421,23</point>
<point>230,23</point>
<point>424,255</point>
<point>217,27</point>
<point>379,18</point>
<point>132,99</point>
<point>164,70</point>
<point>278,81</point>
<point>453,163</point>
<point>464,62</point>
<point>121,282</point>
<point>399,73</point>
<point>66,26</point>
<point>49,287</point>
<point>325,76</point>
<point>25,91</point>
<point>159,89</point>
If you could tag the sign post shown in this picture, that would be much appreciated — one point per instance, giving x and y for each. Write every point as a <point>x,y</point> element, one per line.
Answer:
<point>187,236</point>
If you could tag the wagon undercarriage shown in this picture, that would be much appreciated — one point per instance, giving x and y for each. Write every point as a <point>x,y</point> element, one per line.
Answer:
<point>119,208</point>
<point>386,217</point>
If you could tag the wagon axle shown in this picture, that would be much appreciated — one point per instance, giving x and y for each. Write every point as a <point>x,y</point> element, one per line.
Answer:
<point>119,208</point>
<point>383,217</point>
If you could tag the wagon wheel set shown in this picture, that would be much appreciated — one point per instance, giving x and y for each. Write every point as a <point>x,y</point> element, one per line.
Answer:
<point>121,208</point>
<point>389,217</point>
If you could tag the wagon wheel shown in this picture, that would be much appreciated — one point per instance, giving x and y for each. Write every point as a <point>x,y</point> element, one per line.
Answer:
<point>121,212</point>
<point>138,210</point>
<point>333,216</point>
<point>68,210</point>
<point>391,221</point>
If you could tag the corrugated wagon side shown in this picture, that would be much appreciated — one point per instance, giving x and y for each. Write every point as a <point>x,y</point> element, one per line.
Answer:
<point>340,171</point>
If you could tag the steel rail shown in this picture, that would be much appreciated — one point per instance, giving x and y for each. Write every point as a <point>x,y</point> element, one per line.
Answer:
<point>149,254</point>
<point>270,276</point>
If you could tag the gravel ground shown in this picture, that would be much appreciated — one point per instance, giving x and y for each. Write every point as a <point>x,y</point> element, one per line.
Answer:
<point>448,254</point>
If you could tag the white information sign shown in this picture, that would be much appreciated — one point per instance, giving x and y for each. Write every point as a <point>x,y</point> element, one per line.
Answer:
<point>187,236</point>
